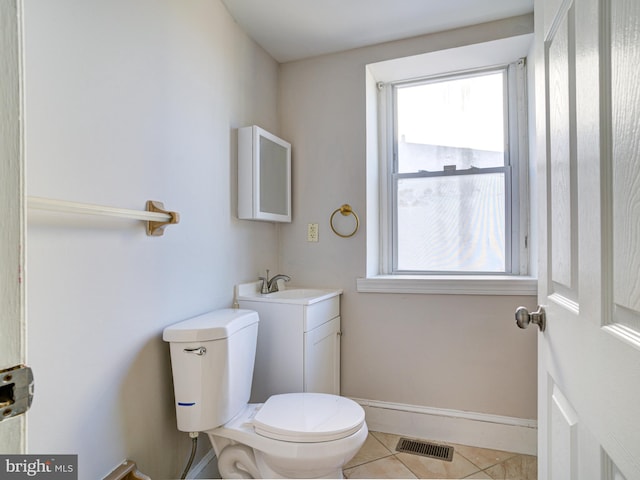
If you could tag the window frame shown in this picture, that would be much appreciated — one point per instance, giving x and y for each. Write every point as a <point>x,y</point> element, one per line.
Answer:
<point>512,110</point>
<point>451,57</point>
<point>385,280</point>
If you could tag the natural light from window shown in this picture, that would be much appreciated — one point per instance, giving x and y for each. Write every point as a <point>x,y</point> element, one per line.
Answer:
<point>451,175</point>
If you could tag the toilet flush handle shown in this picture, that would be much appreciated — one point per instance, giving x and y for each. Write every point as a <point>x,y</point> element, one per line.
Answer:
<point>197,351</point>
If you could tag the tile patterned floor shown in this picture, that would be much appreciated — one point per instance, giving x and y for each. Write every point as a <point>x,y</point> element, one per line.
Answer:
<point>378,459</point>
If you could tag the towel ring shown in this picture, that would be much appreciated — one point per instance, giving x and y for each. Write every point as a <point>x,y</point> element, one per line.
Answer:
<point>345,210</point>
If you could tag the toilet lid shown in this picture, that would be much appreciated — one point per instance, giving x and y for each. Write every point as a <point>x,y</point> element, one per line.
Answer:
<point>308,417</point>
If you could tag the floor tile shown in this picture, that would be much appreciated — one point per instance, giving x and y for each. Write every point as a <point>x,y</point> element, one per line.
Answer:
<point>478,476</point>
<point>520,467</point>
<point>371,450</point>
<point>389,440</point>
<point>482,457</point>
<point>378,459</point>
<point>388,467</point>
<point>425,467</point>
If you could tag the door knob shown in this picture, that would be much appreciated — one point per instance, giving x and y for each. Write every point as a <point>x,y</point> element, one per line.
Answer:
<point>524,318</point>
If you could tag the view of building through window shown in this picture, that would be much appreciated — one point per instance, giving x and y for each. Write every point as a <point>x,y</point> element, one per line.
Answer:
<point>452,175</point>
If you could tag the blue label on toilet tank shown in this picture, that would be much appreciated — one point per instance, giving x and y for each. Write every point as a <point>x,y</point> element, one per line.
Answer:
<point>186,404</point>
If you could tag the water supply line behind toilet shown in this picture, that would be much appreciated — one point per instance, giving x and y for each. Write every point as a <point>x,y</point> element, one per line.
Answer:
<point>194,446</point>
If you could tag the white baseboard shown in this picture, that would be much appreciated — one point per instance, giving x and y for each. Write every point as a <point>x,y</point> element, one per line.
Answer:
<point>453,426</point>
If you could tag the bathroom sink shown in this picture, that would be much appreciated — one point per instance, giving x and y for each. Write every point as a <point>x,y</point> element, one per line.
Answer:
<point>302,296</point>
<point>295,293</point>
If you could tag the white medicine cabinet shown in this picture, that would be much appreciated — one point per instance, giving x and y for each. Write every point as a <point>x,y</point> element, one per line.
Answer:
<point>264,176</point>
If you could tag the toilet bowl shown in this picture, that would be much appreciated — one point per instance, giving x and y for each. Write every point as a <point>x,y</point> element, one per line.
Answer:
<point>298,435</point>
<point>292,435</point>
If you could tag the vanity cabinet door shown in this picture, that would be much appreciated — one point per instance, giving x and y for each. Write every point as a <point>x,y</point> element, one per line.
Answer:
<point>322,358</point>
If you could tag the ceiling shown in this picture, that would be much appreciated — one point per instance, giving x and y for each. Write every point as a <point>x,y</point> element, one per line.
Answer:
<point>294,29</point>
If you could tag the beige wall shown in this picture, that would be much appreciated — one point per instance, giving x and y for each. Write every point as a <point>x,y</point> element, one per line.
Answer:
<point>460,352</point>
<point>128,101</point>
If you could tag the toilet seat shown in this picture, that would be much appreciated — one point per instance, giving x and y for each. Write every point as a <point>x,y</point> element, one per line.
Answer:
<point>308,417</point>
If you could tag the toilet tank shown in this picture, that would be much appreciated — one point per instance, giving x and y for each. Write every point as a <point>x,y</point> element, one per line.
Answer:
<point>212,358</point>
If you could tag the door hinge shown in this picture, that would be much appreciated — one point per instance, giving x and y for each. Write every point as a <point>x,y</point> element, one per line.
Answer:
<point>16,391</point>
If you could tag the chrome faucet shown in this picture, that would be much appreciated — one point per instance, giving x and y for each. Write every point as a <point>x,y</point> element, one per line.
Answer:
<point>271,285</point>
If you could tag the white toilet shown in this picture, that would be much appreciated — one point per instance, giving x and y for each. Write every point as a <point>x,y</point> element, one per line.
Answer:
<point>293,435</point>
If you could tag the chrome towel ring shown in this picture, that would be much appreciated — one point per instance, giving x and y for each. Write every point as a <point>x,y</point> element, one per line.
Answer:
<point>345,210</point>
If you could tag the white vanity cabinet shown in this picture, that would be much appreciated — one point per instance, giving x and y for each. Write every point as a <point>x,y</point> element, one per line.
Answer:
<point>298,344</point>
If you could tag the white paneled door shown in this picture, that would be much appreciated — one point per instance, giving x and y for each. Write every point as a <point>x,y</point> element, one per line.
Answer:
<point>588,153</point>
<point>11,228</point>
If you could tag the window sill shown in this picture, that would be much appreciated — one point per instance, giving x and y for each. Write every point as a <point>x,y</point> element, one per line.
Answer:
<point>449,284</point>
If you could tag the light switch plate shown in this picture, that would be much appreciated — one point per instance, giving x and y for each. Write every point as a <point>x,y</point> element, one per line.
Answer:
<point>312,232</point>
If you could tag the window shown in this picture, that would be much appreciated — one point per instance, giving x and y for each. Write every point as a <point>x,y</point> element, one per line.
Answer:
<point>448,172</point>
<point>454,177</point>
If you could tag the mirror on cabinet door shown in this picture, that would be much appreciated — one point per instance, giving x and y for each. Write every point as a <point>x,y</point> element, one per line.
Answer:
<point>264,176</point>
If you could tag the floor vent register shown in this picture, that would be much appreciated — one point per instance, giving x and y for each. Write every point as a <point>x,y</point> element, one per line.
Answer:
<point>425,449</point>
